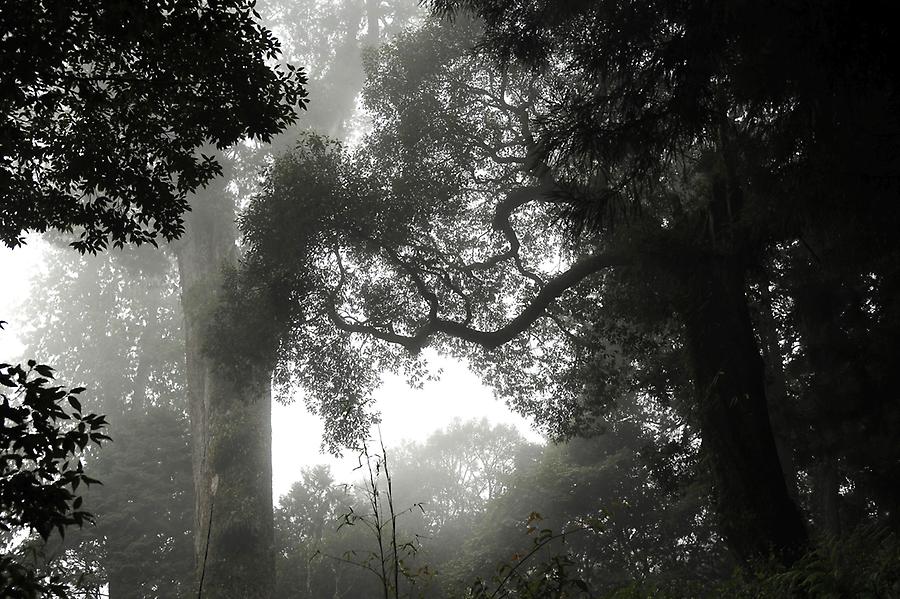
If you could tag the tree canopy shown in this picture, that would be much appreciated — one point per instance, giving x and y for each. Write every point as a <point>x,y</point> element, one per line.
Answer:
<point>665,231</point>
<point>601,200</point>
<point>107,108</point>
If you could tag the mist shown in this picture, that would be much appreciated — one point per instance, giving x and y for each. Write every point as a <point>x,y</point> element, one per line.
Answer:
<point>451,300</point>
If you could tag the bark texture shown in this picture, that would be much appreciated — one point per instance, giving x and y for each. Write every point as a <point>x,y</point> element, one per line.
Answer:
<point>230,424</point>
<point>230,406</point>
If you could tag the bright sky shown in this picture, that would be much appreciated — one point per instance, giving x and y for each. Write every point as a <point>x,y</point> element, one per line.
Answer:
<point>407,414</point>
<point>16,268</point>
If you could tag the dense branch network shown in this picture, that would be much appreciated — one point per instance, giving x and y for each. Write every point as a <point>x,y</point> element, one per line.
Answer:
<point>548,291</point>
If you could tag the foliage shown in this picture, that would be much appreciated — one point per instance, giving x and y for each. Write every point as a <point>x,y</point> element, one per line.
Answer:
<point>590,190</point>
<point>142,540</point>
<point>328,533</point>
<point>625,533</point>
<point>40,439</point>
<point>108,104</point>
<point>348,539</point>
<point>18,581</point>
<point>113,321</point>
<point>863,563</point>
<point>658,77</point>
<point>332,37</point>
<point>647,501</point>
<point>43,435</point>
<point>388,562</point>
<point>455,474</point>
<point>338,371</point>
<point>306,529</point>
<point>407,223</point>
<point>529,577</point>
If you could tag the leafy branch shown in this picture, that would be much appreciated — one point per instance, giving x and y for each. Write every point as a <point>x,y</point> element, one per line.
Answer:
<point>41,445</point>
<point>535,582</point>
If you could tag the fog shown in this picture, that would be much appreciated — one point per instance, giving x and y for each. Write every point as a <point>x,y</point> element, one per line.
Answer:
<point>463,300</point>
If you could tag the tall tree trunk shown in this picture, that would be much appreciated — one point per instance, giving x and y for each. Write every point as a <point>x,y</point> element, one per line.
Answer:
<point>230,414</point>
<point>331,108</point>
<point>838,392</point>
<point>230,410</point>
<point>335,102</point>
<point>757,514</point>
<point>119,586</point>
<point>826,495</point>
<point>777,388</point>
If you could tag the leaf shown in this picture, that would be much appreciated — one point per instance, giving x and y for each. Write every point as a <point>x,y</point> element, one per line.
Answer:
<point>43,370</point>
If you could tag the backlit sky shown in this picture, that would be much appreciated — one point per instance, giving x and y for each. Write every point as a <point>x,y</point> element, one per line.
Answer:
<point>407,414</point>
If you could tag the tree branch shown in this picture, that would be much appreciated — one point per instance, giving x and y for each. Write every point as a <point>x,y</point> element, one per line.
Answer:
<point>552,290</point>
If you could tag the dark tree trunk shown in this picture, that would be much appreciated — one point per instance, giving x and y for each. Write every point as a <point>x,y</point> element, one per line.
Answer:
<point>777,389</point>
<point>757,515</point>
<point>230,424</point>
<point>826,496</point>
<point>119,587</point>
<point>839,394</point>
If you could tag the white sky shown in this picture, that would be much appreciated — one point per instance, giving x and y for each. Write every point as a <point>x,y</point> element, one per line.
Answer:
<point>407,414</point>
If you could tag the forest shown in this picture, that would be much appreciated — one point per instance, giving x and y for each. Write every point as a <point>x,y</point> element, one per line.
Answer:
<point>664,232</point>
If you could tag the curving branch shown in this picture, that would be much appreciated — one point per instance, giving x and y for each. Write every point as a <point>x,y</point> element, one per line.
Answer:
<point>531,161</point>
<point>514,200</point>
<point>537,309</point>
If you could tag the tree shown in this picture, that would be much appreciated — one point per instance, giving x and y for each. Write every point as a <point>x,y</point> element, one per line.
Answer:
<point>681,157</point>
<point>644,501</point>
<point>455,473</point>
<point>107,107</point>
<point>332,37</point>
<point>114,321</point>
<point>230,349</point>
<point>144,509</point>
<point>425,502</point>
<point>306,524</point>
<point>831,323</point>
<point>349,539</point>
<point>106,121</point>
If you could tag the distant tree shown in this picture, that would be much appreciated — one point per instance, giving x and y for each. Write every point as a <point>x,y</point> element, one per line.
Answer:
<point>439,489</point>
<point>108,106</point>
<point>333,39</point>
<point>645,505</point>
<point>456,472</point>
<point>144,510</point>
<point>139,545</point>
<point>307,517</point>
<point>114,320</point>
<point>326,538</point>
